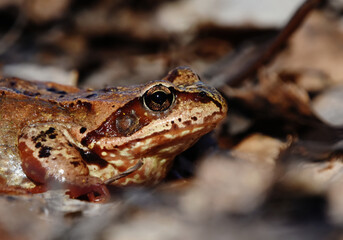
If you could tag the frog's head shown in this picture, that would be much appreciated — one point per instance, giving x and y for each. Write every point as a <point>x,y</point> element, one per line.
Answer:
<point>165,118</point>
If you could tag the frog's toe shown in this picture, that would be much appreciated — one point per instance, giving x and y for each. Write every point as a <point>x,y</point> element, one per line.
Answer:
<point>93,192</point>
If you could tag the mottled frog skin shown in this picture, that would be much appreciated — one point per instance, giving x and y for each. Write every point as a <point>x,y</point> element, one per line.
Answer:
<point>53,135</point>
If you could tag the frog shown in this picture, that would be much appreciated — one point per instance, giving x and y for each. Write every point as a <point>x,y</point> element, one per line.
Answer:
<point>54,136</point>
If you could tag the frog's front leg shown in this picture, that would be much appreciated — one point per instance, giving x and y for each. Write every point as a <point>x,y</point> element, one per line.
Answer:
<point>48,157</point>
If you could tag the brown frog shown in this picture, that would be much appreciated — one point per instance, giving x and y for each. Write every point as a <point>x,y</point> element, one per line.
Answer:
<point>53,135</point>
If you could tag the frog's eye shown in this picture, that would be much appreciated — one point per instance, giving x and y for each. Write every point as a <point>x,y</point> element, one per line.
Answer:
<point>158,98</point>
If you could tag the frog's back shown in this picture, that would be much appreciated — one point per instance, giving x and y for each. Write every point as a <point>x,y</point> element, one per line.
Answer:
<point>35,88</point>
<point>21,102</point>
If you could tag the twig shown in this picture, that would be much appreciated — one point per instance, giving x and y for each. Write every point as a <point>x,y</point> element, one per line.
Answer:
<point>125,173</point>
<point>239,65</point>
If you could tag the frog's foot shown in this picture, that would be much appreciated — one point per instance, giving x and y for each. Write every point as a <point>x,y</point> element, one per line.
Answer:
<point>48,155</point>
<point>91,190</point>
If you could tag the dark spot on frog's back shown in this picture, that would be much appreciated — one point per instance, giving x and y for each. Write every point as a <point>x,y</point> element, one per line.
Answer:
<point>52,136</point>
<point>51,133</point>
<point>31,94</point>
<point>16,90</point>
<point>42,136</point>
<point>54,90</point>
<point>44,152</point>
<point>84,104</point>
<point>92,95</point>
<point>50,130</point>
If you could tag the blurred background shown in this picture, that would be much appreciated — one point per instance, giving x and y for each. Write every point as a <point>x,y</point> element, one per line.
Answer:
<point>124,42</point>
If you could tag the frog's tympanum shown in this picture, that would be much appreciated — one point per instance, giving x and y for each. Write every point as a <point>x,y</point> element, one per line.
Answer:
<point>53,135</point>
